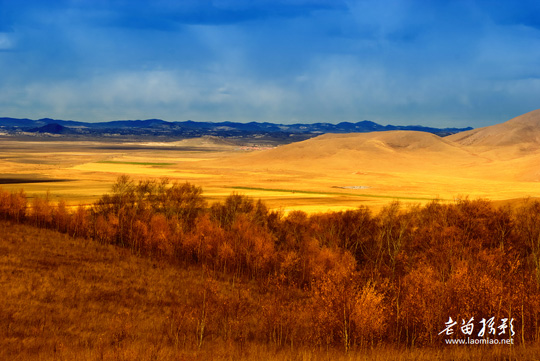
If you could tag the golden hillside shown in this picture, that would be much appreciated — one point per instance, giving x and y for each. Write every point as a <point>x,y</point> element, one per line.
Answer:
<point>522,131</point>
<point>513,147</point>
<point>497,162</point>
<point>378,151</point>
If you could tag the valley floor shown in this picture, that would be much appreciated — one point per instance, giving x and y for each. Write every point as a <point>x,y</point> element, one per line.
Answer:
<point>287,178</point>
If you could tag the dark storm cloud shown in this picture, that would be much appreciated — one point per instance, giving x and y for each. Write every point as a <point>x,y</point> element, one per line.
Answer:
<point>395,61</point>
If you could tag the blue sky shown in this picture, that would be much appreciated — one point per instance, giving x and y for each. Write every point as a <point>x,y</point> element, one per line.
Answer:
<point>435,63</point>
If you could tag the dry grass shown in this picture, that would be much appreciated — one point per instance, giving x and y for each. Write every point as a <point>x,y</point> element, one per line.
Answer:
<point>74,299</point>
<point>70,297</point>
<point>434,169</point>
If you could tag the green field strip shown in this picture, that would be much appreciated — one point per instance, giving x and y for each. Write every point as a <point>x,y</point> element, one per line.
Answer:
<point>333,193</point>
<point>134,163</point>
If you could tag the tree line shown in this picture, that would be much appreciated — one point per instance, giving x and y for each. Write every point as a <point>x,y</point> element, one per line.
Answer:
<point>343,279</point>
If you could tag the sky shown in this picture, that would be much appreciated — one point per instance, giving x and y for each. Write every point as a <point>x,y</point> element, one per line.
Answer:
<point>433,63</point>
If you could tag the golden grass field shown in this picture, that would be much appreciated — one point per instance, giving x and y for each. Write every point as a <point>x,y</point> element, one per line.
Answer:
<point>329,172</point>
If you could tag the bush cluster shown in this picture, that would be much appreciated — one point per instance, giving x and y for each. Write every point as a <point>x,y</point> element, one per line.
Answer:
<point>347,279</point>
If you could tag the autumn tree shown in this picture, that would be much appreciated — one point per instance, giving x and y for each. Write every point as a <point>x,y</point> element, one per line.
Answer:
<point>61,216</point>
<point>528,230</point>
<point>17,206</point>
<point>345,311</point>
<point>393,234</point>
<point>182,202</point>
<point>5,203</point>
<point>80,222</point>
<point>225,213</point>
<point>352,230</point>
<point>41,211</point>
<point>253,246</point>
<point>421,306</point>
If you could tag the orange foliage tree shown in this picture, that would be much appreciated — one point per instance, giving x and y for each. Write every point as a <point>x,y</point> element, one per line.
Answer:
<point>337,279</point>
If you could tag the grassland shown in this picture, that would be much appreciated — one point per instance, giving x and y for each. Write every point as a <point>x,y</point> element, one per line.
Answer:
<point>134,163</point>
<point>318,177</point>
<point>398,198</point>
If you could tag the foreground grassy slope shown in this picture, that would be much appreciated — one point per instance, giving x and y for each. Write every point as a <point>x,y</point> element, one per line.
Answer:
<point>69,297</point>
<point>74,299</point>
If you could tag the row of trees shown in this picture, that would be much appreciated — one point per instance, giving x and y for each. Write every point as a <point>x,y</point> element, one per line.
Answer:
<point>364,278</point>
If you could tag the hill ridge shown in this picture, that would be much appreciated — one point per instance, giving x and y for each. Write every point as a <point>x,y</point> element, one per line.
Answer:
<point>517,132</point>
<point>192,128</point>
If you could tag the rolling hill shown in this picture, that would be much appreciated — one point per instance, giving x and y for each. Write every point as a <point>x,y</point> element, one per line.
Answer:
<point>498,162</point>
<point>513,147</point>
<point>377,151</point>
<point>522,131</point>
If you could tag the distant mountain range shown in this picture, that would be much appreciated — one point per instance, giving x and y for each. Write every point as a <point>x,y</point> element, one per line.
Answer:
<point>188,129</point>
